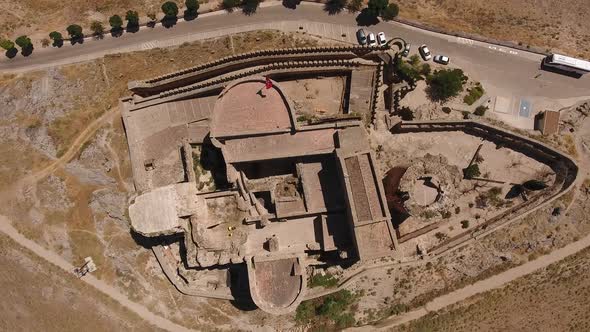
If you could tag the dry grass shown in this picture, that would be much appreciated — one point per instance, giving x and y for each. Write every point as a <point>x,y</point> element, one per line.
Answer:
<point>554,299</point>
<point>38,296</point>
<point>559,25</point>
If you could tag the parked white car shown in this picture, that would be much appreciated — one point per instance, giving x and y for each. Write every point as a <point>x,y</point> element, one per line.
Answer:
<point>424,52</point>
<point>442,59</point>
<point>381,40</point>
<point>371,39</point>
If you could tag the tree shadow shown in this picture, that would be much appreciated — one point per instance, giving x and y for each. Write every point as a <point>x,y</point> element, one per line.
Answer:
<point>27,50</point>
<point>151,24</point>
<point>77,40</point>
<point>291,4</point>
<point>514,192</point>
<point>366,18</point>
<point>11,53</point>
<point>190,15</point>
<point>132,28</point>
<point>250,7</point>
<point>117,32</point>
<point>98,36</point>
<point>333,7</point>
<point>169,22</point>
<point>58,43</point>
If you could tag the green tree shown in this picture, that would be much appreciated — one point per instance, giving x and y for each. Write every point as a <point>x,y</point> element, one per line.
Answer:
<point>390,12</point>
<point>471,171</point>
<point>192,8</point>
<point>354,5</point>
<point>57,38</point>
<point>250,6</point>
<point>229,4</point>
<point>116,22</point>
<point>170,9</point>
<point>24,42</point>
<point>445,83</point>
<point>376,7</point>
<point>97,28</point>
<point>132,18</point>
<point>75,31</point>
<point>6,44</point>
<point>335,6</point>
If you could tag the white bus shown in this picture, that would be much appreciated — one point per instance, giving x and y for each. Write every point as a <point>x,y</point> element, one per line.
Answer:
<point>567,64</point>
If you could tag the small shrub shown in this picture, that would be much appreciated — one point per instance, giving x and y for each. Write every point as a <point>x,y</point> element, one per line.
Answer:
<point>466,115</point>
<point>446,214</point>
<point>472,171</point>
<point>428,214</point>
<point>441,236</point>
<point>464,224</point>
<point>446,110</point>
<point>474,94</point>
<point>480,110</point>
<point>326,281</point>
<point>457,210</point>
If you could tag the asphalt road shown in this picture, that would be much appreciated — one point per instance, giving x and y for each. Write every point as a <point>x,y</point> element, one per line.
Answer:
<point>501,69</point>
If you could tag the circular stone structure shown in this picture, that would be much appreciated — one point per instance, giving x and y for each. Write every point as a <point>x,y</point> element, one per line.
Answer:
<point>248,107</point>
<point>424,194</point>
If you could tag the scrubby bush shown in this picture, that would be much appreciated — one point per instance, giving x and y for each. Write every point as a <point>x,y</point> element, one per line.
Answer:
<point>445,83</point>
<point>390,12</point>
<point>480,110</point>
<point>464,224</point>
<point>471,171</point>
<point>354,5</point>
<point>474,94</point>
<point>326,281</point>
<point>6,44</point>
<point>97,28</point>
<point>446,110</point>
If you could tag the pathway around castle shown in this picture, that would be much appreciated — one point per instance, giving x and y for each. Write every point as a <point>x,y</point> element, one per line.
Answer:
<point>481,286</point>
<point>55,259</point>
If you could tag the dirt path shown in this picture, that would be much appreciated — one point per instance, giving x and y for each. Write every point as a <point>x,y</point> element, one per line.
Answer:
<point>55,259</point>
<point>70,153</point>
<point>481,286</point>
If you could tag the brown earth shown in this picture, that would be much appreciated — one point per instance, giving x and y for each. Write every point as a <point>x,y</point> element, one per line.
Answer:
<point>38,296</point>
<point>558,25</point>
<point>554,299</point>
<point>73,152</point>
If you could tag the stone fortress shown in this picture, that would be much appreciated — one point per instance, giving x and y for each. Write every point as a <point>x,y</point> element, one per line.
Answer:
<point>243,189</point>
<point>288,192</point>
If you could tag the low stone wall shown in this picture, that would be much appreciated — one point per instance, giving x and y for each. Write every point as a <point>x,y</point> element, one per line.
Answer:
<point>564,166</point>
<point>250,59</point>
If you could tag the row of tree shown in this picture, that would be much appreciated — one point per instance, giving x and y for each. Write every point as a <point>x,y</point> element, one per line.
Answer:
<point>76,34</point>
<point>375,8</point>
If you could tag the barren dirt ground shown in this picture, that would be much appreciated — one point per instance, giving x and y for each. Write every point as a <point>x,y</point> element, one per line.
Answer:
<point>37,296</point>
<point>60,132</point>
<point>553,299</point>
<point>559,25</point>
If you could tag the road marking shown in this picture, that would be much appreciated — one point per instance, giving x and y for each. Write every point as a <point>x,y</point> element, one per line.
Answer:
<point>465,41</point>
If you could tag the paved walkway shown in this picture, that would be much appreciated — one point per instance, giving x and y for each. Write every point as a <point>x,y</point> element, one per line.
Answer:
<point>101,286</point>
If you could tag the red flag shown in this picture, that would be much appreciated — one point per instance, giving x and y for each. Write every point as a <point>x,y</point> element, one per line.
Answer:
<point>268,83</point>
